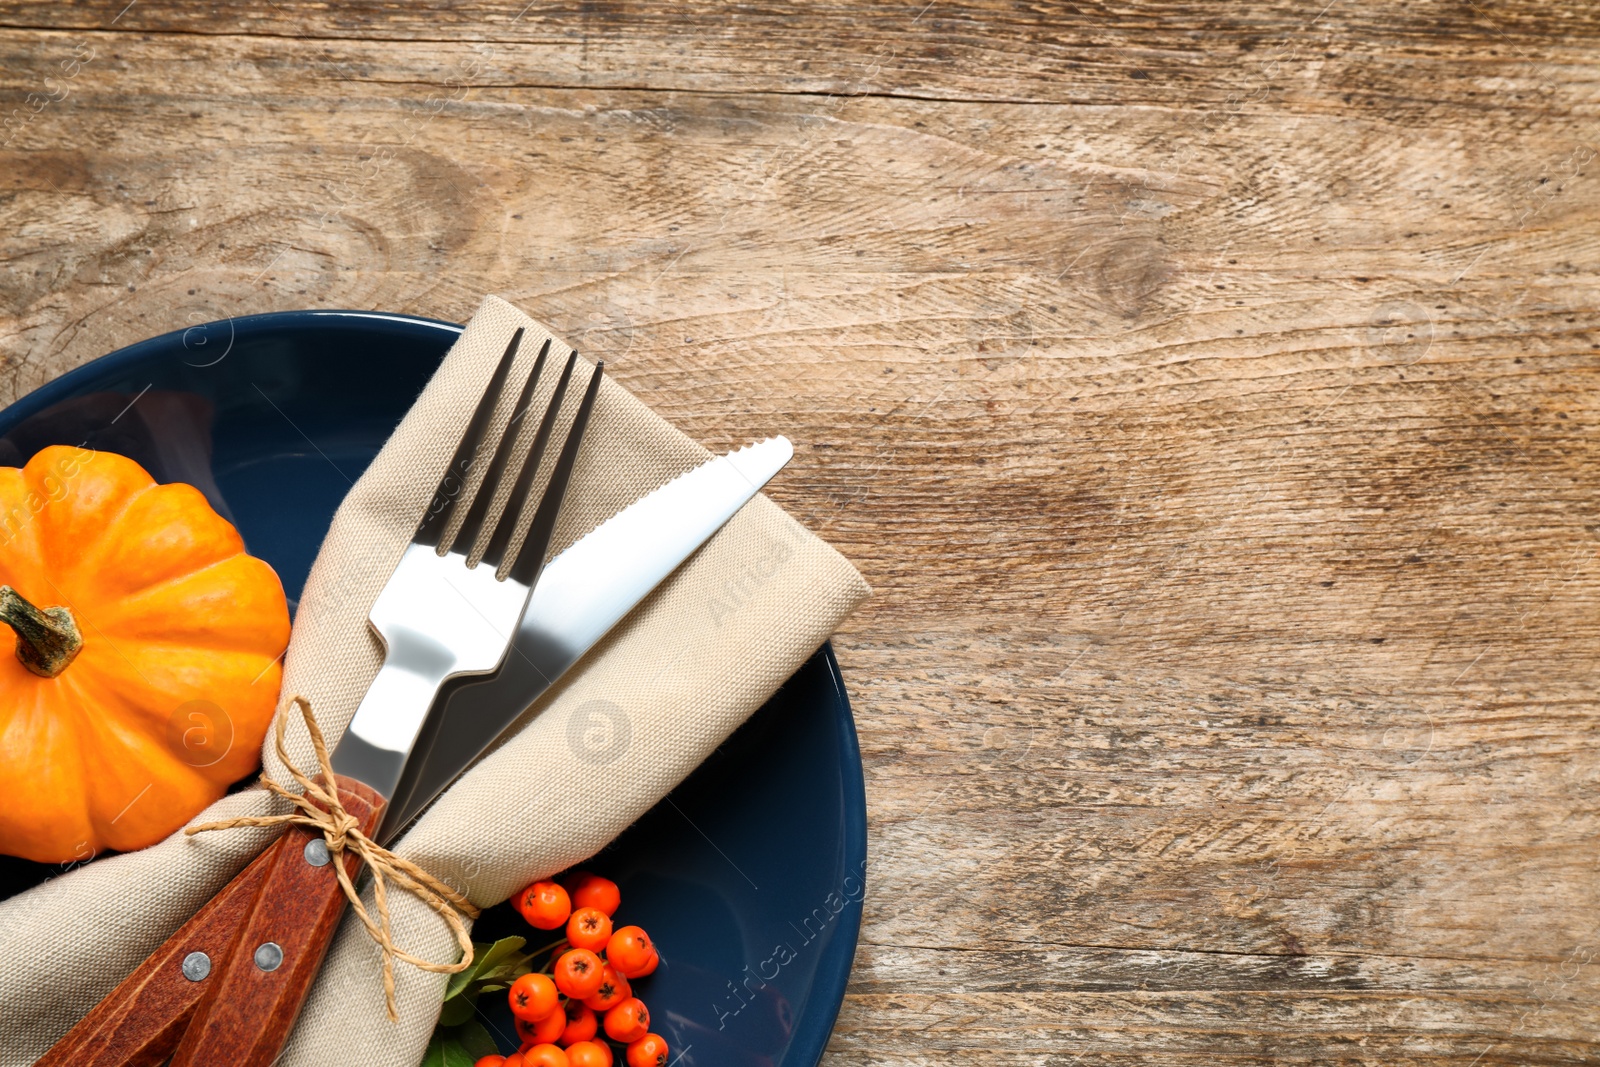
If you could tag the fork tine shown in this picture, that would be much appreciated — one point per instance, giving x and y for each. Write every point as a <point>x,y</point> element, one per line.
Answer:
<point>494,474</point>
<point>530,558</point>
<point>507,525</point>
<point>433,524</point>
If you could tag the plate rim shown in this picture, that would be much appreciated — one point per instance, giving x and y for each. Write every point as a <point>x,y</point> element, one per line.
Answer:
<point>63,385</point>
<point>855,845</point>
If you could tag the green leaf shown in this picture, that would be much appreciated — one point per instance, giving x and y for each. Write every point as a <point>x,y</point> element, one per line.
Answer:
<point>456,1011</point>
<point>509,971</point>
<point>485,957</point>
<point>500,950</point>
<point>434,1057</point>
<point>476,1040</point>
<point>505,973</point>
<point>456,1056</point>
<point>459,980</point>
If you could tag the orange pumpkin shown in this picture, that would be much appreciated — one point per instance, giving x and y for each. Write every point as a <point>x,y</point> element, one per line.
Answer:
<point>146,647</point>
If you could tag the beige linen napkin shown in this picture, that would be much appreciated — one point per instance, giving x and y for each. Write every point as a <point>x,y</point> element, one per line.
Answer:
<point>685,668</point>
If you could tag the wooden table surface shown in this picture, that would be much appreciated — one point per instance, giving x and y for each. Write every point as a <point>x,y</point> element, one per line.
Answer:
<point>1208,390</point>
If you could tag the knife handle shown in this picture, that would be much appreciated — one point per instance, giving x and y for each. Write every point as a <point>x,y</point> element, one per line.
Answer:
<point>247,1015</point>
<point>139,1023</point>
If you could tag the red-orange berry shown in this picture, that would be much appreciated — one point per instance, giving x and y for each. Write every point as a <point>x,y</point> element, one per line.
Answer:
<point>533,997</point>
<point>545,905</point>
<point>649,1051</point>
<point>589,928</point>
<point>592,891</point>
<point>628,1021</point>
<point>578,973</point>
<point>614,989</point>
<point>650,965</point>
<point>544,1031</point>
<point>589,1054</point>
<point>629,950</point>
<point>491,1061</point>
<point>513,1060</point>
<point>545,1056</point>
<point>581,1023</point>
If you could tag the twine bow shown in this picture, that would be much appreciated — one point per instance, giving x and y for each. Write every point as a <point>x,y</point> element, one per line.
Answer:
<point>319,807</point>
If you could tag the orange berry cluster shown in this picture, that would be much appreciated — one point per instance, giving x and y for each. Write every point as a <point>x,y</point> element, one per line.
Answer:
<point>561,1010</point>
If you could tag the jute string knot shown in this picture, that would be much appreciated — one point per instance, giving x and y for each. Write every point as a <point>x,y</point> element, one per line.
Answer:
<point>318,806</point>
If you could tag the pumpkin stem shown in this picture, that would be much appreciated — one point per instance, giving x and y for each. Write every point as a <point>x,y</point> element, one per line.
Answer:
<point>47,638</point>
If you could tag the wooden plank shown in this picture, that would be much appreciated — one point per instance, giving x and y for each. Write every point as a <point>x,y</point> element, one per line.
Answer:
<point>1220,441</point>
<point>1184,51</point>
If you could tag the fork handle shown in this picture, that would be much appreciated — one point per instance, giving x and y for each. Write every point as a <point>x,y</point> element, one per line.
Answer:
<point>138,1024</point>
<point>247,1015</point>
<point>378,740</point>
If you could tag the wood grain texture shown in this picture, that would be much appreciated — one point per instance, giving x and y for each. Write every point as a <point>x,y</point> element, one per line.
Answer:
<point>1209,392</point>
<point>140,1022</point>
<point>246,1015</point>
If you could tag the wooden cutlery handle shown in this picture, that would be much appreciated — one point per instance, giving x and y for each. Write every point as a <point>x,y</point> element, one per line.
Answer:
<point>248,1014</point>
<point>139,1023</point>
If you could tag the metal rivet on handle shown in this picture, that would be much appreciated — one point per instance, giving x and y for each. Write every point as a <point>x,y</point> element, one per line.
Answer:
<point>196,965</point>
<point>317,852</point>
<point>269,956</point>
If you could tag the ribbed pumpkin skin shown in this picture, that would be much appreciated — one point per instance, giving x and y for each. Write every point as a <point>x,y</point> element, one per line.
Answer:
<point>172,610</point>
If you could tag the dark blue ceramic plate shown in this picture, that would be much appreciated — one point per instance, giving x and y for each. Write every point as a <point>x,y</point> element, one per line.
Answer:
<point>750,878</point>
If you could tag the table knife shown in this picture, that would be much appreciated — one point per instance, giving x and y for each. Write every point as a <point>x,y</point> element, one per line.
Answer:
<point>581,594</point>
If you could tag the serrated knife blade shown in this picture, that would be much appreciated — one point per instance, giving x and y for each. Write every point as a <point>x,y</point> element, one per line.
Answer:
<point>579,596</point>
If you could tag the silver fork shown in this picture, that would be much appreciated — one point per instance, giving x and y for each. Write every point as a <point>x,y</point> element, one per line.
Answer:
<point>439,617</point>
